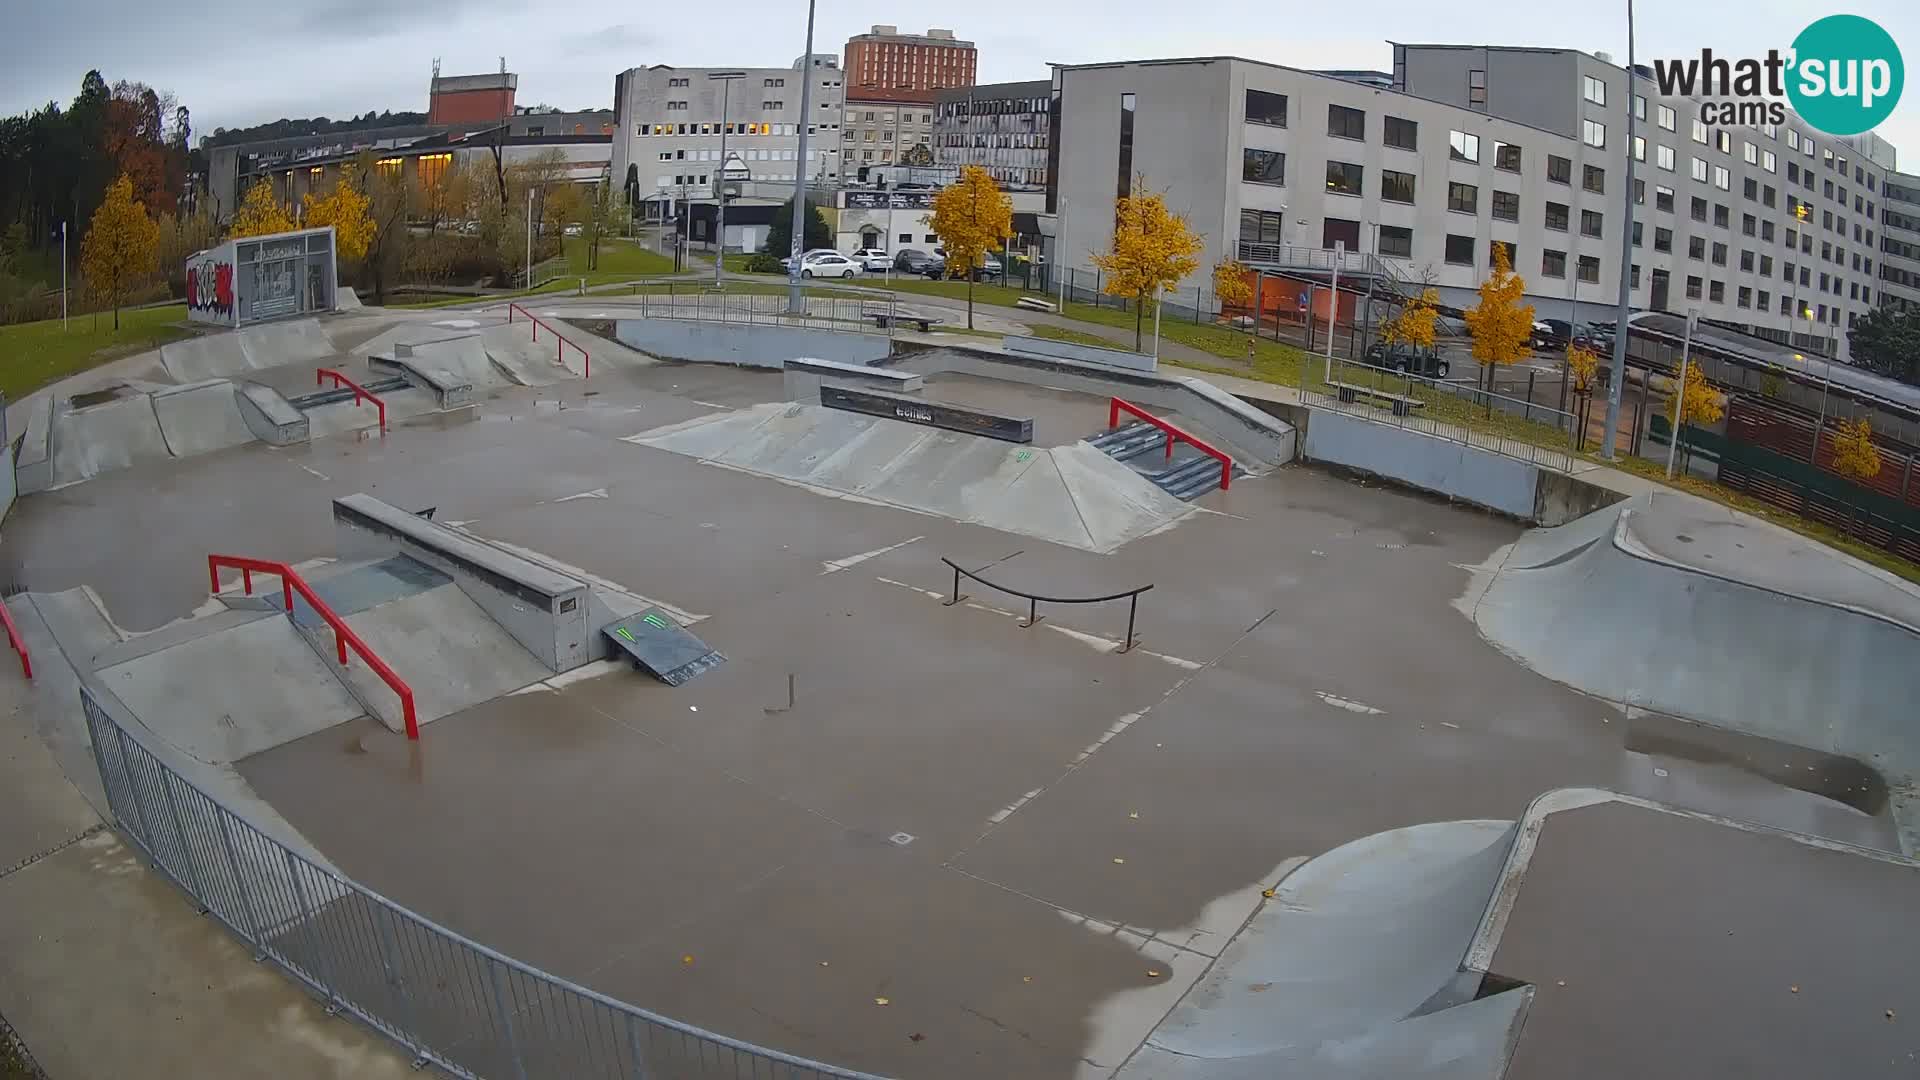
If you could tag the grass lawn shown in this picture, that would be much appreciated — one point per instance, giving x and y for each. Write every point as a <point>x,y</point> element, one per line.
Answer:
<point>1078,337</point>
<point>620,260</point>
<point>37,353</point>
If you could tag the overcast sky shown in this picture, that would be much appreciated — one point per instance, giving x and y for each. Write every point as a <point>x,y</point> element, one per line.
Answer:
<point>235,63</point>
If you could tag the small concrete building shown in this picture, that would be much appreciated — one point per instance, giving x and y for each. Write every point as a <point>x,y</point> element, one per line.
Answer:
<point>255,278</point>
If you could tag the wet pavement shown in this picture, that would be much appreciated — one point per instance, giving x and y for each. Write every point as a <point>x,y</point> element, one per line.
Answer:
<point>1303,680</point>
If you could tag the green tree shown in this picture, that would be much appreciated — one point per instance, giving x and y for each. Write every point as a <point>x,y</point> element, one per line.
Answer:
<point>1887,342</point>
<point>780,233</point>
<point>121,248</point>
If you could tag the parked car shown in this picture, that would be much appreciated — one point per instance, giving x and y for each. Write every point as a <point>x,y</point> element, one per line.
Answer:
<point>873,260</point>
<point>989,268</point>
<point>911,261</point>
<point>808,256</point>
<point>571,230</point>
<point>832,264</point>
<point>1408,359</point>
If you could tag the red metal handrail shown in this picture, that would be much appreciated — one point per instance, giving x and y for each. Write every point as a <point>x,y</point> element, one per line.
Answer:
<point>560,349</point>
<point>1116,406</point>
<point>320,379</point>
<point>343,635</point>
<point>14,639</point>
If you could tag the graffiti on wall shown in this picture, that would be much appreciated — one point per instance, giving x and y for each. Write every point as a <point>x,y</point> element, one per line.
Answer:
<point>210,287</point>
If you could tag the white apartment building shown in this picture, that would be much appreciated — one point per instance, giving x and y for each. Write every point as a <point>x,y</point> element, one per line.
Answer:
<point>669,124</point>
<point>1900,242</point>
<point>1476,146</point>
<point>878,132</point>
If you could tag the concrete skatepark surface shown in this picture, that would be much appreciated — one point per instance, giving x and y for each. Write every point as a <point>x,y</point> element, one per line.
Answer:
<point>1085,833</point>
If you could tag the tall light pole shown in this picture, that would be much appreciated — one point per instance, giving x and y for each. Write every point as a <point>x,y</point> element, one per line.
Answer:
<point>1680,391</point>
<point>529,239</point>
<point>1619,366</point>
<point>797,304</point>
<point>63,277</point>
<point>726,80</point>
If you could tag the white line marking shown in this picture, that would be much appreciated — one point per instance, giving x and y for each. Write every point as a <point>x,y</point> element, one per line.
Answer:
<point>1455,727</point>
<point>1348,704</point>
<point>913,588</point>
<point>596,493</point>
<point>709,404</point>
<point>315,472</point>
<point>834,566</point>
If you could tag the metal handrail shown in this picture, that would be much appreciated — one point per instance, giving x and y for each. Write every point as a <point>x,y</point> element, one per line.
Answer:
<point>1132,596</point>
<point>14,639</point>
<point>343,635</point>
<point>1114,408</point>
<point>321,376</point>
<point>560,349</point>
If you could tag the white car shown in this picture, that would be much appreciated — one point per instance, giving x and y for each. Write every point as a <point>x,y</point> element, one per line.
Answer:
<point>807,256</point>
<point>832,264</point>
<point>873,260</point>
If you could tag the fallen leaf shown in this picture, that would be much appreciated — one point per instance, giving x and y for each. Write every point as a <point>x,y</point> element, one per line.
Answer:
<point>1889,1014</point>
<point>915,1037</point>
<point>1562,982</point>
<point>1153,973</point>
<point>1795,988</point>
<point>1260,988</point>
<point>882,1001</point>
<point>1134,815</point>
<point>1268,893</point>
<point>1119,862</point>
<point>823,963</point>
<point>686,958</point>
<point>1026,978</point>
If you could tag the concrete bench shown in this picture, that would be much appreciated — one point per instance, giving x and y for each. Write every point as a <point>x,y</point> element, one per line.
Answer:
<point>1034,303</point>
<point>1401,403</point>
<point>883,320</point>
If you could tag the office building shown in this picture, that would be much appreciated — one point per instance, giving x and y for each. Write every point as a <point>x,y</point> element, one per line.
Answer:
<point>1900,242</point>
<point>1003,127</point>
<point>886,129</point>
<point>471,99</point>
<point>884,61</point>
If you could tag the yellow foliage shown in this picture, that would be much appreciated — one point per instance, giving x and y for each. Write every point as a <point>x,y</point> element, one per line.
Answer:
<point>1697,402</point>
<point>1854,455</point>
<point>1230,283</point>
<point>260,213</point>
<point>1153,249</point>
<point>1414,325</point>
<point>346,208</point>
<point>122,245</point>
<point>1500,324</point>
<point>971,217</point>
<point>1582,364</point>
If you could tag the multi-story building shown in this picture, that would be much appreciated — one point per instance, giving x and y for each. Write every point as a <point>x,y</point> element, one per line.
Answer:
<point>1900,242</point>
<point>885,129</point>
<point>669,124</point>
<point>1005,127</point>
<point>471,99</point>
<point>885,61</point>
<point>1767,229</point>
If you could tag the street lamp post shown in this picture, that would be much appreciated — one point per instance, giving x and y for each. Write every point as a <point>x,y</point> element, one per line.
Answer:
<point>529,239</point>
<point>1618,369</point>
<point>1680,390</point>
<point>796,303</point>
<point>726,80</point>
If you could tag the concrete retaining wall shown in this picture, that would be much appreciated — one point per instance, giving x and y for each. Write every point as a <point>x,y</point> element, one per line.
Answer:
<point>7,482</point>
<point>751,346</point>
<point>1088,354</point>
<point>1466,473</point>
<point>33,466</point>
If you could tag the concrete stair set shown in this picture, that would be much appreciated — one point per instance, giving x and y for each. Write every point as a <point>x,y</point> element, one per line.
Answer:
<point>1188,475</point>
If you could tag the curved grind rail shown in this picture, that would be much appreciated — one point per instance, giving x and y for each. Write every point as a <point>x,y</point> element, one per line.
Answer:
<point>560,349</point>
<point>321,376</point>
<point>1116,406</point>
<point>1034,600</point>
<point>343,635</point>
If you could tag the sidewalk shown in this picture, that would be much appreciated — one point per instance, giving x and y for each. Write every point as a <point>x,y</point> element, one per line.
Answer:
<point>106,969</point>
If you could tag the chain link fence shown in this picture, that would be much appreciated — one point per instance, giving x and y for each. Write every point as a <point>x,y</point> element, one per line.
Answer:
<point>450,1001</point>
<point>1458,412</point>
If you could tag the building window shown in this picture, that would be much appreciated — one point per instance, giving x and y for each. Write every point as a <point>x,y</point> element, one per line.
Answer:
<point>1749,188</point>
<point>1594,179</point>
<point>1593,133</point>
<point>1693,287</point>
<point>1506,206</point>
<point>1477,87</point>
<point>1748,224</point>
<point>1721,179</point>
<point>1513,252</point>
<point>1722,141</point>
<point>1663,198</point>
<point>1698,209</point>
<point>1746,261</point>
<point>1698,166</point>
<point>1719,254</point>
<point>1506,156</point>
<point>1639,107</point>
<point>1763,300</point>
<point>1396,186</point>
<point>1663,157</point>
<point>1126,144</point>
<point>1263,167</point>
<point>1749,153</point>
<point>1634,273</point>
<point>1462,146</point>
<point>1639,192</point>
<point>1594,90</point>
<point>1397,241</point>
<point>1699,131</point>
<point>1768,161</point>
<point>1344,178</point>
<point>1262,227</point>
<point>1590,269</point>
<point>1768,196</point>
<point>1639,148</point>
<point>1636,233</point>
<point>1720,215</point>
<point>1664,116</point>
<point>1766,266</point>
<point>1265,108</point>
<point>1402,133</point>
<point>1717,292</point>
<point>1557,216</point>
<point>1697,248</point>
<point>1559,169</point>
<point>1553,264</point>
<point>1345,123</point>
<point>1463,198</point>
<point>1590,222</point>
<point>1662,239</point>
<point>1459,250</point>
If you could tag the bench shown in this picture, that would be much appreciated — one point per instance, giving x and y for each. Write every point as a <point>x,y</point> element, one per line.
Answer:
<point>1401,403</point>
<point>883,320</point>
<point>1034,303</point>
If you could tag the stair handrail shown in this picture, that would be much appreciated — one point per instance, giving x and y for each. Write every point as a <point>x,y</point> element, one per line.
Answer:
<point>15,639</point>
<point>559,350</point>
<point>321,376</point>
<point>343,635</point>
<point>1116,406</point>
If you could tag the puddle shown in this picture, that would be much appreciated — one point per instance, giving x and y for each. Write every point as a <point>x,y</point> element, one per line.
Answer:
<point>1841,779</point>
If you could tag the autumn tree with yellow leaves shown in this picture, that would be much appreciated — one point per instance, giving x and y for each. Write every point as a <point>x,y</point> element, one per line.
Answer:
<point>347,209</point>
<point>971,217</point>
<point>261,212</point>
<point>1502,326</point>
<point>1230,284</point>
<point>1414,324</point>
<point>1153,251</point>
<point>1854,455</point>
<point>1695,401</point>
<point>121,248</point>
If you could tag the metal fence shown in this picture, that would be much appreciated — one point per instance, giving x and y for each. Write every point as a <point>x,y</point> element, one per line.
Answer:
<point>850,314</point>
<point>1452,411</point>
<point>448,1000</point>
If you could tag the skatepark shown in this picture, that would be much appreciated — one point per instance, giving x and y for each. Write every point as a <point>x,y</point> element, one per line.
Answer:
<point>1341,778</point>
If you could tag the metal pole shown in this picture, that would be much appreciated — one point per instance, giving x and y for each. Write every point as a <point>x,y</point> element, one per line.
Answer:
<point>720,189</point>
<point>529,239</point>
<point>796,303</point>
<point>1333,302</point>
<point>1156,325</point>
<point>63,277</point>
<point>1680,390</point>
<point>1626,265</point>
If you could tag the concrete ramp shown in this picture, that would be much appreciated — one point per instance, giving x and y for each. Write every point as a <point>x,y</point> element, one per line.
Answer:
<point>33,467</point>
<point>464,357</point>
<point>100,438</point>
<point>527,362</point>
<point>1071,495</point>
<point>201,417</point>
<point>1681,608</point>
<point>294,341</point>
<point>209,356</point>
<point>450,652</point>
<point>1353,970</point>
<point>345,299</point>
<point>241,689</point>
